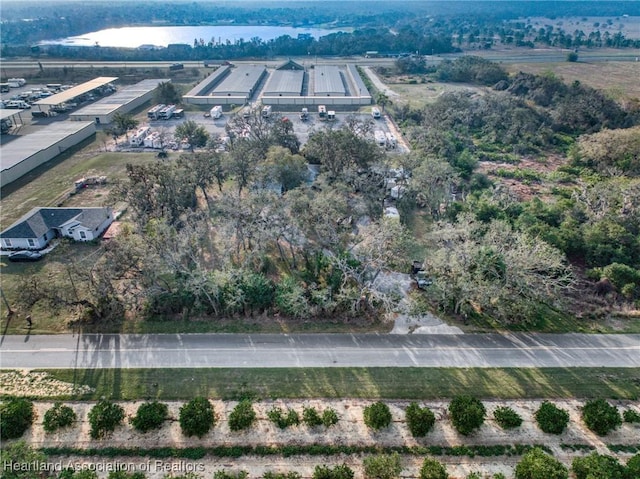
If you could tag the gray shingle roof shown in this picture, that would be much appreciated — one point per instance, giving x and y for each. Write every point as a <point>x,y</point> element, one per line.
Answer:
<point>40,220</point>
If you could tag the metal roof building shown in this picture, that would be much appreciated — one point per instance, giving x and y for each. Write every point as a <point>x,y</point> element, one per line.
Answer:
<point>71,93</point>
<point>20,156</point>
<point>123,101</point>
<point>284,83</point>
<point>242,82</point>
<point>208,83</point>
<point>328,81</point>
<point>359,87</point>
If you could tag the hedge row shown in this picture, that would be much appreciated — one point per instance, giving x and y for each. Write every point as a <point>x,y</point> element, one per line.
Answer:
<point>197,417</point>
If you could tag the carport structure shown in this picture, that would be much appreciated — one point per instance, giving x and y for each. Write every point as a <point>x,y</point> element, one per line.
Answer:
<point>72,93</point>
<point>8,116</point>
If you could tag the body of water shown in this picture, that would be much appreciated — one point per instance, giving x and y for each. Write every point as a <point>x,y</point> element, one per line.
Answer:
<point>134,37</point>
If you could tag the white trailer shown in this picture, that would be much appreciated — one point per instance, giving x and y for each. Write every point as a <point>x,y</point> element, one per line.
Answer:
<point>331,115</point>
<point>375,112</point>
<point>138,137</point>
<point>216,112</point>
<point>380,137</point>
<point>266,111</point>
<point>151,139</point>
<point>167,112</point>
<point>16,82</point>
<point>153,113</point>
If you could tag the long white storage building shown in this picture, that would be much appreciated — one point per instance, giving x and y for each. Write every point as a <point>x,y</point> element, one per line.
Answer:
<point>20,156</point>
<point>123,101</point>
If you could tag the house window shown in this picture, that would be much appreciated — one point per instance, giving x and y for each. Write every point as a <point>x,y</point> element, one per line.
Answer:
<point>83,235</point>
<point>32,243</point>
<point>7,242</point>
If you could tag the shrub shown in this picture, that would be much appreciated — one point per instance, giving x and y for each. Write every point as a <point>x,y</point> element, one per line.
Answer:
<point>14,455</point>
<point>432,469</point>
<point>377,415</point>
<point>281,475</point>
<point>222,474</point>
<point>507,418</point>
<point>419,420</point>
<point>197,417</point>
<point>311,417</point>
<point>536,464</point>
<point>600,416</point>
<point>467,414</point>
<point>633,467</point>
<point>283,421</point>
<point>242,416</point>
<point>57,417</point>
<point>341,471</point>
<point>150,415</point>
<point>104,417</point>
<point>596,465</point>
<point>384,466</point>
<point>329,417</point>
<point>16,415</point>
<point>125,475</point>
<point>631,416</point>
<point>551,419</point>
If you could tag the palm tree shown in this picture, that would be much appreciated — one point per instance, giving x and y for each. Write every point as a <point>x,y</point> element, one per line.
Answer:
<point>382,99</point>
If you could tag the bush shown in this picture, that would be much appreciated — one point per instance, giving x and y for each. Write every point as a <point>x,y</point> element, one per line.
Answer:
<point>283,421</point>
<point>15,455</point>
<point>16,415</point>
<point>377,415</point>
<point>197,417</point>
<point>551,419</point>
<point>419,420</point>
<point>311,417</point>
<point>432,469</point>
<point>384,466</point>
<point>507,418</point>
<point>600,416</point>
<point>222,474</point>
<point>125,475</point>
<point>536,464</point>
<point>341,471</point>
<point>329,417</point>
<point>57,417</point>
<point>104,417</point>
<point>150,415</point>
<point>597,466</point>
<point>281,475</point>
<point>242,416</point>
<point>633,467</point>
<point>631,416</point>
<point>467,414</point>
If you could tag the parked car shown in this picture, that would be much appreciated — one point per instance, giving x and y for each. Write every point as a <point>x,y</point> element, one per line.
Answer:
<point>25,255</point>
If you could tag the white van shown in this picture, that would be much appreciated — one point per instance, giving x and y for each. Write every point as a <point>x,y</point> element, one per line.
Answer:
<point>375,112</point>
<point>17,104</point>
<point>266,111</point>
<point>216,112</point>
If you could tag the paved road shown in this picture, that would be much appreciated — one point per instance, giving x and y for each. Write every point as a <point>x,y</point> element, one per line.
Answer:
<point>318,350</point>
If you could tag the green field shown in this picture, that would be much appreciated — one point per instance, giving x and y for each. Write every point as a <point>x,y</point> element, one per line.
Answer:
<point>390,383</point>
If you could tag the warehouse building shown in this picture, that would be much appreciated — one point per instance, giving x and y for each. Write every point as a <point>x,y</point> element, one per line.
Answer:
<point>27,152</point>
<point>241,83</point>
<point>201,93</point>
<point>328,81</point>
<point>123,101</point>
<point>285,83</point>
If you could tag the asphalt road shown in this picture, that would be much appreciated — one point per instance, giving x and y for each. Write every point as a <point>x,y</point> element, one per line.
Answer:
<point>319,350</point>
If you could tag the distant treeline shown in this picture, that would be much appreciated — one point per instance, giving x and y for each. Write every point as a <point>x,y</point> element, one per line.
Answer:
<point>426,27</point>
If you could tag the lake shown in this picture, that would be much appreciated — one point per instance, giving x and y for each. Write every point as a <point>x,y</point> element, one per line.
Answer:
<point>133,37</point>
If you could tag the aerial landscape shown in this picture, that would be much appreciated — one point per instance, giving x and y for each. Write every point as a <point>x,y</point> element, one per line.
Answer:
<point>307,239</point>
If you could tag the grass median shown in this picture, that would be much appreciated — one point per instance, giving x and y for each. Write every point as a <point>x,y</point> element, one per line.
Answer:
<point>369,383</point>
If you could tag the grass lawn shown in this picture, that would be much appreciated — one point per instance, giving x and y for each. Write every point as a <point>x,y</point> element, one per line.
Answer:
<point>390,383</point>
<point>47,184</point>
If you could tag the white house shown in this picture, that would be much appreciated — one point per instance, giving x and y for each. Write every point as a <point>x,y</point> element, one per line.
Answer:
<point>35,229</point>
